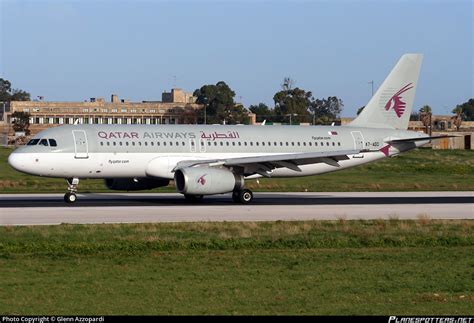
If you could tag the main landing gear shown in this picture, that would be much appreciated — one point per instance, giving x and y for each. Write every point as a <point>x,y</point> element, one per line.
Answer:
<point>244,196</point>
<point>70,197</point>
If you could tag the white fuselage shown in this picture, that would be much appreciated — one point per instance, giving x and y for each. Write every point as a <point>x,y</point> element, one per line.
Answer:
<point>129,151</point>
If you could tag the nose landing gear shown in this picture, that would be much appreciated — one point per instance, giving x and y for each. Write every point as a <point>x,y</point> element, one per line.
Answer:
<point>70,197</point>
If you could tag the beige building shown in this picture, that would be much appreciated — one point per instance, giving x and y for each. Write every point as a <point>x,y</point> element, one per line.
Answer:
<point>176,107</point>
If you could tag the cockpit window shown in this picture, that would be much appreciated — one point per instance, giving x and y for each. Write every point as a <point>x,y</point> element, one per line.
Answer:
<point>33,142</point>
<point>52,142</point>
<point>43,142</point>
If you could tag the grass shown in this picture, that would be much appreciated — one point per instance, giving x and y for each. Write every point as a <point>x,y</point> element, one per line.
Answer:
<point>419,170</point>
<point>422,267</point>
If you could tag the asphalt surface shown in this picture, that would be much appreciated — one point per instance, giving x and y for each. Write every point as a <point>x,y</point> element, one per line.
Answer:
<point>42,209</point>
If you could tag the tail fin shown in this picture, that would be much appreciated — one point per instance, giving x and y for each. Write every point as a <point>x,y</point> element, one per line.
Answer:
<point>391,105</point>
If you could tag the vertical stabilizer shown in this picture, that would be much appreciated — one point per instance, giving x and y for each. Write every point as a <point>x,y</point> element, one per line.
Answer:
<point>391,105</point>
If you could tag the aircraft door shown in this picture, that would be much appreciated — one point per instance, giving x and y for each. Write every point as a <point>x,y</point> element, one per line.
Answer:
<point>358,142</point>
<point>80,144</point>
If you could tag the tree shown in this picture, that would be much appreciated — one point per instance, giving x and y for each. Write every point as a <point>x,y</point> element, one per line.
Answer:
<point>457,119</point>
<point>262,111</point>
<point>298,102</point>
<point>467,110</point>
<point>292,101</point>
<point>21,122</point>
<point>425,109</point>
<point>219,105</point>
<point>425,117</point>
<point>415,116</point>
<point>8,94</point>
<point>326,110</point>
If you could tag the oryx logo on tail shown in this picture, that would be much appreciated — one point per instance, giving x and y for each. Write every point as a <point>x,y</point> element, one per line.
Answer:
<point>396,102</point>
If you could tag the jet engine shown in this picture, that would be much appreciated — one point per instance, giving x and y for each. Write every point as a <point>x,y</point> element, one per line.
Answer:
<point>206,180</point>
<point>135,184</point>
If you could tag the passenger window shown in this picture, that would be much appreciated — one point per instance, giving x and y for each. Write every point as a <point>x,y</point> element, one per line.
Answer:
<point>240,144</point>
<point>292,143</point>
<point>299,144</point>
<point>263,143</point>
<point>315,143</point>
<point>126,143</point>
<point>146,143</point>
<point>43,142</point>
<point>164,143</point>
<point>52,143</point>
<point>33,142</point>
<point>251,143</point>
<point>120,143</point>
<point>108,143</point>
<point>338,143</point>
<point>327,143</point>
<point>256,143</point>
<point>333,143</point>
<point>304,143</point>
<point>183,144</point>
<point>233,143</point>
<point>171,143</point>
<point>157,143</point>
<point>245,143</point>
<point>310,143</point>
<point>115,144</point>
<point>222,144</point>
<point>215,143</point>
<point>152,143</point>
<point>101,143</point>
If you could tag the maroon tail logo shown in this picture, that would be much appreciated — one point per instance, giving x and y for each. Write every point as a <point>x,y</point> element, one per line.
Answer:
<point>201,180</point>
<point>396,102</point>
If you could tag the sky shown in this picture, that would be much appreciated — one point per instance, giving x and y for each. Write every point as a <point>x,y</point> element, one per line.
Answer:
<point>75,50</point>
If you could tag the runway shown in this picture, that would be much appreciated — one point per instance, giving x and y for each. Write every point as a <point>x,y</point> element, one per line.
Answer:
<point>49,209</point>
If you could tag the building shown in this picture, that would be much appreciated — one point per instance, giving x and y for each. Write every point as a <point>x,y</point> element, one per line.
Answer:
<point>176,107</point>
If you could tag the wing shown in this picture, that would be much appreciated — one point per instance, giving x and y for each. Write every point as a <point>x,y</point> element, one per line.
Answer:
<point>395,141</point>
<point>264,164</point>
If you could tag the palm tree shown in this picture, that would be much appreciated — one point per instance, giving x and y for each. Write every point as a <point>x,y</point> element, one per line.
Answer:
<point>425,117</point>
<point>458,117</point>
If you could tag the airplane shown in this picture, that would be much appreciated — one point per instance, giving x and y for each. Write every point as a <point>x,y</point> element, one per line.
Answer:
<point>216,159</point>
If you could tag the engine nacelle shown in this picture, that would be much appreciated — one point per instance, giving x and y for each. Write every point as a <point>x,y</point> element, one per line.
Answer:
<point>135,184</point>
<point>206,180</point>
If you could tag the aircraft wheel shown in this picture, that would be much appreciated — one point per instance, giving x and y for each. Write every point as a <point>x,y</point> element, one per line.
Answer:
<point>245,196</point>
<point>193,198</point>
<point>70,197</point>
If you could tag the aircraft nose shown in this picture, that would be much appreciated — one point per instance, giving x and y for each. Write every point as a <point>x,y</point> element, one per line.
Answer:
<point>18,161</point>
